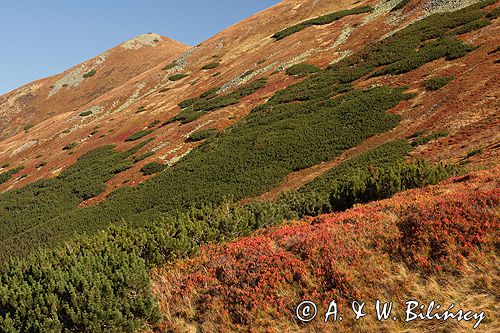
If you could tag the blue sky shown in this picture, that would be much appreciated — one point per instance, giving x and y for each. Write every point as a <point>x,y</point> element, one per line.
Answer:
<point>43,38</point>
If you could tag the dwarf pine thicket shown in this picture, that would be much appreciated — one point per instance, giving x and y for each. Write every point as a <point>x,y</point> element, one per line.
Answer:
<point>239,162</point>
<point>85,113</point>
<point>301,69</point>
<point>343,187</point>
<point>177,77</point>
<point>202,135</point>
<point>138,135</point>
<point>170,215</point>
<point>424,138</point>
<point>209,101</point>
<point>112,265</point>
<point>170,66</point>
<point>6,175</point>
<point>143,156</point>
<point>436,83</point>
<point>40,201</point>
<point>211,65</point>
<point>299,126</point>
<point>400,5</point>
<point>89,73</point>
<point>321,20</point>
<point>152,168</point>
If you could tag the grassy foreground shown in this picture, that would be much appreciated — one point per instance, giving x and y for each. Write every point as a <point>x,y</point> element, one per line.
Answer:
<point>436,243</point>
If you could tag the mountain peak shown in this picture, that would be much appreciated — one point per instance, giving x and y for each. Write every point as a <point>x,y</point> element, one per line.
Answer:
<point>148,39</point>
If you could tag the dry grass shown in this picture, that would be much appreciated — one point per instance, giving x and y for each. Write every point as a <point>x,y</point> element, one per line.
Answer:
<point>358,251</point>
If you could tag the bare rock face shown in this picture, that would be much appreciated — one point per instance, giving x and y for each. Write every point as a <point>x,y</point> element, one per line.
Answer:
<point>449,5</point>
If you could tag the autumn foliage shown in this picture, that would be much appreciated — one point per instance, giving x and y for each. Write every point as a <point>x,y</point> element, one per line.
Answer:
<point>441,236</point>
<point>347,256</point>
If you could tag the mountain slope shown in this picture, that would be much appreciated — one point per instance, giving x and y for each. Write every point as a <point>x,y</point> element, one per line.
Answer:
<point>78,86</point>
<point>435,243</point>
<point>335,101</point>
<point>299,127</point>
<point>247,48</point>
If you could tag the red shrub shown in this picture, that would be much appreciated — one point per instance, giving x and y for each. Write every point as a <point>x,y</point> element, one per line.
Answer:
<point>440,236</point>
<point>249,274</point>
<point>342,256</point>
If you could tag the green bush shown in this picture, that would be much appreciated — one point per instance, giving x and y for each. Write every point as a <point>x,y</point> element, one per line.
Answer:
<point>493,14</point>
<point>143,156</point>
<point>27,127</point>
<point>152,168</point>
<point>373,175</point>
<point>341,188</point>
<point>301,69</point>
<point>170,66</point>
<point>6,175</point>
<point>417,134</point>
<point>141,109</point>
<point>177,77</point>
<point>474,152</point>
<point>90,73</point>
<point>201,135</point>
<point>139,135</point>
<point>381,183</point>
<point>85,113</point>
<point>70,146</point>
<point>448,48</point>
<point>214,102</point>
<point>88,286</point>
<point>185,116</point>
<point>210,93</point>
<point>314,197</point>
<point>421,42</point>
<point>325,19</point>
<point>188,102</point>
<point>400,5</point>
<point>35,205</point>
<point>154,123</point>
<point>436,83</point>
<point>247,73</point>
<point>211,66</point>
<point>471,26</point>
<point>210,101</point>
<point>424,139</point>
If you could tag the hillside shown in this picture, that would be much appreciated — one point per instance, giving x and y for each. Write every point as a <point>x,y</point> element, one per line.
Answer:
<point>435,243</point>
<point>84,83</point>
<point>246,48</point>
<point>135,159</point>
